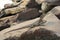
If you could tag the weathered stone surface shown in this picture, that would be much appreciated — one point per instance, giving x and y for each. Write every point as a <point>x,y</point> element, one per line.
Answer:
<point>21,29</point>
<point>34,4</point>
<point>56,11</point>
<point>13,9</point>
<point>47,5</point>
<point>28,14</point>
<point>17,9</point>
<point>7,22</point>
<point>36,34</point>
<point>16,30</point>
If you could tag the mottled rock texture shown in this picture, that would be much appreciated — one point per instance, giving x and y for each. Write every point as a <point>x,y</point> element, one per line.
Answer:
<point>38,34</point>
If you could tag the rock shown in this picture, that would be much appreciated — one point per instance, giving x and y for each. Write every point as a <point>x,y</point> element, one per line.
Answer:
<point>25,15</point>
<point>34,4</point>
<point>6,22</point>
<point>35,34</point>
<point>17,9</point>
<point>22,27</point>
<point>56,11</point>
<point>20,7</point>
<point>47,5</point>
<point>28,14</point>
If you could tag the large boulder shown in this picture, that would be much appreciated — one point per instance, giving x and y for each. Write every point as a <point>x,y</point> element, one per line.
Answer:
<point>35,34</point>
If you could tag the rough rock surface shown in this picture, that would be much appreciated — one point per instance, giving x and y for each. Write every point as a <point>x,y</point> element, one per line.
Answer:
<point>16,30</point>
<point>24,28</point>
<point>28,14</point>
<point>56,11</point>
<point>36,34</point>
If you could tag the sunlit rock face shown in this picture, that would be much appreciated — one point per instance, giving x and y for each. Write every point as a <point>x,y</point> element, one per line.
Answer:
<point>56,11</point>
<point>3,2</point>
